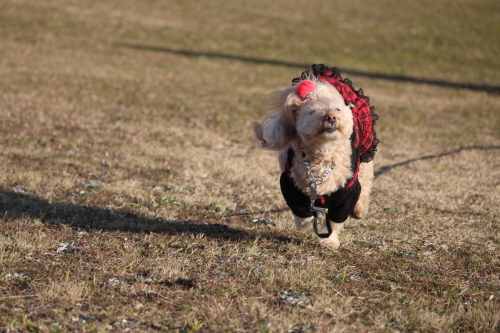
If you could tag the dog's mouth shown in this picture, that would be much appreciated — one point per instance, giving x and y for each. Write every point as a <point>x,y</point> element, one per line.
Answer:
<point>329,128</point>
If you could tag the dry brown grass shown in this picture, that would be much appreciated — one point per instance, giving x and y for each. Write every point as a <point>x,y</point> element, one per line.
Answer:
<point>133,196</point>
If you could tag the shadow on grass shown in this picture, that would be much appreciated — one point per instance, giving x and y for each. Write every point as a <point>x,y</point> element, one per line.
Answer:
<point>381,76</point>
<point>388,168</point>
<point>18,205</point>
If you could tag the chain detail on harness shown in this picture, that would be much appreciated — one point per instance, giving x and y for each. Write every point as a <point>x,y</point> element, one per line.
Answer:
<point>314,182</point>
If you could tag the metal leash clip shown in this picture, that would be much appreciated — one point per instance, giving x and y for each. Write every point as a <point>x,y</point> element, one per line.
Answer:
<point>316,210</point>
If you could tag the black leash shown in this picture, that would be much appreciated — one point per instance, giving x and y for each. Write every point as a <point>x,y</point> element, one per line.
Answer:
<point>316,210</point>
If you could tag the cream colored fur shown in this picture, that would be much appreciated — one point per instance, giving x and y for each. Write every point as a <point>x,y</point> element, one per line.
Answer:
<point>320,125</point>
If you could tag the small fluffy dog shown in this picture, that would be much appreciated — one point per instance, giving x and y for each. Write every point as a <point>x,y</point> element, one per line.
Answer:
<point>326,142</point>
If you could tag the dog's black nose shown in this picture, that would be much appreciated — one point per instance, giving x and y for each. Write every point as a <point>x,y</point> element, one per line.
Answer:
<point>330,117</point>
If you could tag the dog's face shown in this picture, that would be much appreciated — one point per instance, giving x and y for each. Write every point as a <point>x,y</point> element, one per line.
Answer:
<point>323,116</point>
<point>313,112</point>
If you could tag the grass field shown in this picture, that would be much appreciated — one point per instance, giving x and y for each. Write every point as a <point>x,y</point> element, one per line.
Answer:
<point>133,196</point>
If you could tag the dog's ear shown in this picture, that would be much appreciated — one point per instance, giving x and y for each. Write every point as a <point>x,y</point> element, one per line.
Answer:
<point>288,102</point>
<point>271,132</point>
<point>277,132</point>
<point>258,131</point>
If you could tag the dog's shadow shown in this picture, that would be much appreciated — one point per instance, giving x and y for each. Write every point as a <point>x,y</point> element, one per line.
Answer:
<point>23,205</point>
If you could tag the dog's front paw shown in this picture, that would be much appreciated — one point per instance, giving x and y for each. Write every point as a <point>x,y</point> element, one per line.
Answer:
<point>302,223</point>
<point>333,241</point>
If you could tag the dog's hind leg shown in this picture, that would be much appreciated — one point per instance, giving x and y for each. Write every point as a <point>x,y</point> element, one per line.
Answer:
<point>366,180</point>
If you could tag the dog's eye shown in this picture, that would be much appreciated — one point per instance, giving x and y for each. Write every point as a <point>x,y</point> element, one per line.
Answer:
<point>337,109</point>
<point>312,111</point>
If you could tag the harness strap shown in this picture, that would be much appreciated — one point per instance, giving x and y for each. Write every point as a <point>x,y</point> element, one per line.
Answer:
<point>314,196</point>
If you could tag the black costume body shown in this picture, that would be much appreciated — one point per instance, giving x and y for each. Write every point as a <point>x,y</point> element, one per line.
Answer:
<point>339,203</point>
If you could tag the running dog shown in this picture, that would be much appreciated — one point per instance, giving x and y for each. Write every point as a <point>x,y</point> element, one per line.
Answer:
<point>326,141</point>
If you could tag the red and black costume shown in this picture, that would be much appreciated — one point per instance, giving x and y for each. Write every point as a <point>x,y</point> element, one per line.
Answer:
<point>363,145</point>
